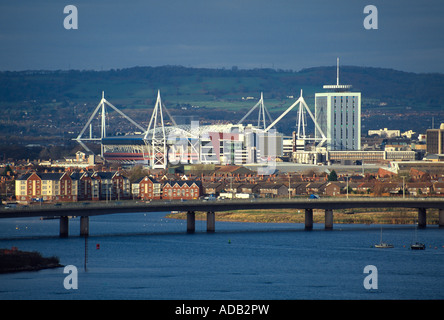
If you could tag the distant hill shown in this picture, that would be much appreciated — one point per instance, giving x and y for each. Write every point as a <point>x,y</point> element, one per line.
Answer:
<point>42,105</point>
<point>386,85</point>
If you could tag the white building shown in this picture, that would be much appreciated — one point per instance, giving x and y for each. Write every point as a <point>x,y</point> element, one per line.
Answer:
<point>338,113</point>
<point>385,133</point>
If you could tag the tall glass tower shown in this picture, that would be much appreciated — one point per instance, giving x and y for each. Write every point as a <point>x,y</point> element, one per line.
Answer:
<point>338,113</point>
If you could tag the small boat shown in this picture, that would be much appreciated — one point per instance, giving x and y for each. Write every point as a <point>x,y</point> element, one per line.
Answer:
<point>417,246</point>
<point>383,244</point>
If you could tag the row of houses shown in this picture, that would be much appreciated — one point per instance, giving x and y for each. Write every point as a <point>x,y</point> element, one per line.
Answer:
<point>327,188</point>
<point>94,186</point>
<point>275,190</point>
<point>147,188</point>
<point>71,186</point>
<point>411,188</point>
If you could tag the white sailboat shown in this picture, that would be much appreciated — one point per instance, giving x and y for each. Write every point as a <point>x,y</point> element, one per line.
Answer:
<point>417,245</point>
<point>383,244</point>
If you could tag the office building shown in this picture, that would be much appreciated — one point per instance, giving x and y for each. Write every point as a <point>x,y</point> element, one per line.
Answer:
<point>338,113</point>
<point>435,140</point>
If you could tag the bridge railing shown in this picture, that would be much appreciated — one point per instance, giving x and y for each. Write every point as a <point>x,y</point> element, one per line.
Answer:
<point>84,205</point>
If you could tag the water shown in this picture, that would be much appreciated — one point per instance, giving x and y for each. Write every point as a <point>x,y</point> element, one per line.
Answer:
<point>146,256</point>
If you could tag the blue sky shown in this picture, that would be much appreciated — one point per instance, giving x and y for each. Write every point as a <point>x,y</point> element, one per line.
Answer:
<point>286,34</point>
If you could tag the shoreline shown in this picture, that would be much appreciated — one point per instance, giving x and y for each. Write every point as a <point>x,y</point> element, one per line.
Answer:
<point>357,216</point>
<point>13,260</point>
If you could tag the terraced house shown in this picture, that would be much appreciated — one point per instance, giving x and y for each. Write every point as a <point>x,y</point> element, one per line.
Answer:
<point>46,186</point>
<point>111,186</point>
<point>146,188</point>
<point>66,186</point>
<point>88,188</point>
<point>181,190</point>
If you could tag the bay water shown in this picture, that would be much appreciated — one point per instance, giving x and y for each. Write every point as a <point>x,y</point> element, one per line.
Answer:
<point>147,256</point>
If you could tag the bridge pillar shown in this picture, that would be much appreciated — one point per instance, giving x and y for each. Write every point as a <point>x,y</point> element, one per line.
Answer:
<point>328,219</point>
<point>191,222</point>
<point>441,218</point>
<point>64,227</point>
<point>422,217</point>
<point>308,219</point>
<point>211,221</point>
<point>84,226</point>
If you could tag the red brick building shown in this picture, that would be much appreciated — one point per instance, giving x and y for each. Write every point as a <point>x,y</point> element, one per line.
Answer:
<point>146,188</point>
<point>177,190</point>
<point>332,189</point>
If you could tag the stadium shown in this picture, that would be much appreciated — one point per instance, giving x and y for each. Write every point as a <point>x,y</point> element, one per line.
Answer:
<point>160,144</point>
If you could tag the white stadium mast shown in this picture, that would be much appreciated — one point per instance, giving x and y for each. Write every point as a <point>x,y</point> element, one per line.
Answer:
<point>158,147</point>
<point>101,106</point>
<point>262,111</point>
<point>301,121</point>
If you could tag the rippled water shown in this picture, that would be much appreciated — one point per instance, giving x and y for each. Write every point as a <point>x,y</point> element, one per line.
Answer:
<point>146,256</point>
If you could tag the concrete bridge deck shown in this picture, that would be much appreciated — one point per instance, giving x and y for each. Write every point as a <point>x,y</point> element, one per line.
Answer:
<point>87,209</point>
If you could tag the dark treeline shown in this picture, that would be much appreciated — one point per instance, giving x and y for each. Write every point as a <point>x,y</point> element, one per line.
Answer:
<point>384,84</point>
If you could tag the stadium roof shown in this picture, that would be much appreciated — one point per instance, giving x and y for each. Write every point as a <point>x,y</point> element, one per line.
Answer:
<point>181,131</point>
<point>124,140</point>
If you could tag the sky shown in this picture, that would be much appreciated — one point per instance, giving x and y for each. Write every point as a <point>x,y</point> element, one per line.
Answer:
<point>280,34</point>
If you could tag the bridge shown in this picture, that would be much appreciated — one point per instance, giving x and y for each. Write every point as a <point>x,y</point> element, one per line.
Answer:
<point>87,209</point>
